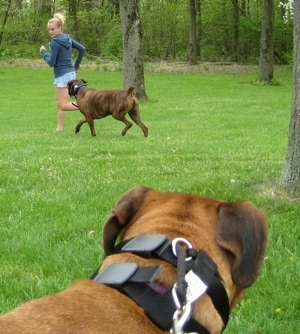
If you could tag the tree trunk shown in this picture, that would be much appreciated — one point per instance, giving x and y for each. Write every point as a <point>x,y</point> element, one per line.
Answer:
<point>235,37</point>
<point>8,5</point>
<point>199,28</point>
<point>291,173</point>
<point>132,35</point>
<point>193,34</point>
<point>267,43</point>
<point>42,13</point>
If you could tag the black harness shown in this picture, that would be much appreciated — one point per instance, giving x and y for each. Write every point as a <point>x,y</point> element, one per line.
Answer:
<point>197,275</point>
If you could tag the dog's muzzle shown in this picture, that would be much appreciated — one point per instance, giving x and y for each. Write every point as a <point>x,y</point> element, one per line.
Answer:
<point>170,310</point>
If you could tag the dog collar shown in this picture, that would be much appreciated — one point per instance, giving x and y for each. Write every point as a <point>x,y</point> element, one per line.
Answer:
<point>201,275</point>
<point>77,88</point>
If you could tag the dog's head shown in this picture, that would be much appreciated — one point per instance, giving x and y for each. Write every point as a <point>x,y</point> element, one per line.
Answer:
<point>233,234</point>
<point>75,85</point>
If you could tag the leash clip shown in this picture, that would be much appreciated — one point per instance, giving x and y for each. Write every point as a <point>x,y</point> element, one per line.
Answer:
<point>180,317</point>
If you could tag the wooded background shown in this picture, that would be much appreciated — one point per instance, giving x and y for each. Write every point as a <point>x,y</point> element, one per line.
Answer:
<point>227,30</point>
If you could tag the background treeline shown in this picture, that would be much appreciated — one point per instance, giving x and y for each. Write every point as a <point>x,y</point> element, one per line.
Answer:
<point>228,30</point>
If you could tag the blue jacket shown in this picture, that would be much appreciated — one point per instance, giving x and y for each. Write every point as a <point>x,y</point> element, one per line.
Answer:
<point>60,55</point>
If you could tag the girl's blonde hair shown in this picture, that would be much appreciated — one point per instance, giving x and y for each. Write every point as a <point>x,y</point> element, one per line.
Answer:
<point>59,19</point>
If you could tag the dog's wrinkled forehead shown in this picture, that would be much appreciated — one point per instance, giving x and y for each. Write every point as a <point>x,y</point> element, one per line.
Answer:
<point>76,82</point>
<point>80,81</point>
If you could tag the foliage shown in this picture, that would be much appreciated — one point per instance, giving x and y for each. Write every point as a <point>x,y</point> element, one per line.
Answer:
<point>100,34</point>
<point>24,50</point>
<point>213,131</point>
<point>166,28</point>
<point>288,9</point>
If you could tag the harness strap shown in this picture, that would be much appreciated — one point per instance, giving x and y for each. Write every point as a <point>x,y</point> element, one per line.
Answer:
<point>219,298</point>
<point>117,274</point>
<point>159,308</point>
<point>158,246</point>
<point>138,284</point>
<point>158,303</point>
<point>135,282</point>
<point>207,270</point>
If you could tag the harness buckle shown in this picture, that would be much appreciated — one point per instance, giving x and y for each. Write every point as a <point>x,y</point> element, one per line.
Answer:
<point>144,244</point>
<point>116,273</point>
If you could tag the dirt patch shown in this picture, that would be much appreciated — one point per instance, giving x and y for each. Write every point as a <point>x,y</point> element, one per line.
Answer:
<point>157,67</point>
<point>204,67</point>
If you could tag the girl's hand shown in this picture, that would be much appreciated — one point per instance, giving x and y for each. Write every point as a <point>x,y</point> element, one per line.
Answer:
<point>42,48</point>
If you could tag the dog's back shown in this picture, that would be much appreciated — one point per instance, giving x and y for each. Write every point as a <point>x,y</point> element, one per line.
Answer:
<point>102,103</point>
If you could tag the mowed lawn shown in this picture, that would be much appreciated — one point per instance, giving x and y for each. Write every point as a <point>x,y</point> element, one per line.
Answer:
<point>210,133</point>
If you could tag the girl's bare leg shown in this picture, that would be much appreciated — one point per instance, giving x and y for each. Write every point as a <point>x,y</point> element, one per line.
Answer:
<point>63,105</point>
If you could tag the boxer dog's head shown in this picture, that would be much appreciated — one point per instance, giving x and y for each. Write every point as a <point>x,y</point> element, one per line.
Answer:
<point>232,234</point>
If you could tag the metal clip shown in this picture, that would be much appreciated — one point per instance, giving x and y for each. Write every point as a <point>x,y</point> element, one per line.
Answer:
<point>180,317</point>
<point>185,242</point>
<point>175,297</point>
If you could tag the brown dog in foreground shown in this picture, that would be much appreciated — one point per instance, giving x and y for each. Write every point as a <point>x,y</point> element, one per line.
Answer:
<point>232,234</point>
<point>95,104</point>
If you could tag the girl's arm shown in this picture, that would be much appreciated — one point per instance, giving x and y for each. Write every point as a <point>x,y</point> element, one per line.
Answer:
<point>81,51</point>
<point>50,57</point>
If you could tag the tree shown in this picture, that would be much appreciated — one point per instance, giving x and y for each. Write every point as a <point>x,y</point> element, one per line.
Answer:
<point>8,5</point>
<point>193,34</point>
<point>235,39</point>
<point>42,12</point>
<point>227,30</point>
<point>199,27</point>
<point>132,35</point>
<point>291,173</point>
<point>267,43</point>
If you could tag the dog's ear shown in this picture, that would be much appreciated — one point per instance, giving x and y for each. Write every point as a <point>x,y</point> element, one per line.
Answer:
<point>243,232</point>
<point>121,215</point>
<point>130,90</point>
<point>84,81</point>
<point>69,86</point>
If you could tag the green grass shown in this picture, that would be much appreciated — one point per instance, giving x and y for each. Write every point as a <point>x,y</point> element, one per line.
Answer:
<point>215,134</point>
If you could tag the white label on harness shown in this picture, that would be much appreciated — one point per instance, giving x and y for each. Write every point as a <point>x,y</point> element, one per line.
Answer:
<point>196,287</point>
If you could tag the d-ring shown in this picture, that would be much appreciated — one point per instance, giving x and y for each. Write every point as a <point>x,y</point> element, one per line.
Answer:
<point>184,241</point>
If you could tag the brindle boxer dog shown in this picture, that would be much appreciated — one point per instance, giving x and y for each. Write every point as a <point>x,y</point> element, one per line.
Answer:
<point>224,242</point>
<point>95,104</point>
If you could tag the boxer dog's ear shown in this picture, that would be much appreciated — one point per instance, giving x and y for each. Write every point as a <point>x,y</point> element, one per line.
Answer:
<point>121,215</point>
<point>243,232</point>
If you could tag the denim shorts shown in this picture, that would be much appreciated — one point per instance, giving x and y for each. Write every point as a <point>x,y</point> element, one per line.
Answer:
<point>62,81</point>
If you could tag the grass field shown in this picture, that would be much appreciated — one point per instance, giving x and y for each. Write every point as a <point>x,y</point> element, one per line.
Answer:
<point>211,133</point>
